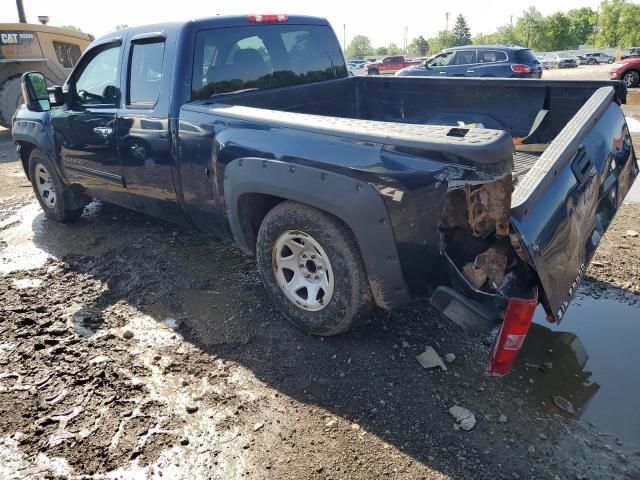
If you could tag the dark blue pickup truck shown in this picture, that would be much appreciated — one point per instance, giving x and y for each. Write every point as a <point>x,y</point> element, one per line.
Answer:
<point>488,195</point>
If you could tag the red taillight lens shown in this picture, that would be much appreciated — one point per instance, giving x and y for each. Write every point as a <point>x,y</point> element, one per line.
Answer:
<point>519,68</point>
<point>270,18</point>
<point>517,320</point>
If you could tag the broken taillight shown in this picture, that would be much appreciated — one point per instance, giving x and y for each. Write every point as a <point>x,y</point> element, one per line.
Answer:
<point>517,320</point>
<point>269,18</point>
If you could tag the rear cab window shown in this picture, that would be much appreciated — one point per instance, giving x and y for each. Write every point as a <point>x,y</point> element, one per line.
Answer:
<point>229,60</point>
<point>145,74</point>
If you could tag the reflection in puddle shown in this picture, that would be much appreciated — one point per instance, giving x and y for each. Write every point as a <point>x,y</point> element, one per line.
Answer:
<point>594,359</point>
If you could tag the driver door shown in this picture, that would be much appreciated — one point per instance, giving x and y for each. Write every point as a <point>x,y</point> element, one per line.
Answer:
<point>85,127</point>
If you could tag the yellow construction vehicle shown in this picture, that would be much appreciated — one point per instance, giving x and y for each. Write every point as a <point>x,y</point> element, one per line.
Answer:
<point>27,46</point>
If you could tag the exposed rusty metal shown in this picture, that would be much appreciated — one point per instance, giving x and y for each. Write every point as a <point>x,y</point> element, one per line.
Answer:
<point>494,263</point>
<point>477,277</point>
<point>490,265</point>
<point>489,207</point>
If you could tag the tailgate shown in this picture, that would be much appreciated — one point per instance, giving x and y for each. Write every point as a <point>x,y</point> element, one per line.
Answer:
<point>563,206</point>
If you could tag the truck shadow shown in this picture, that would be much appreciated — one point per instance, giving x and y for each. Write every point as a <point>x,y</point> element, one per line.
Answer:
<point>368,377</point>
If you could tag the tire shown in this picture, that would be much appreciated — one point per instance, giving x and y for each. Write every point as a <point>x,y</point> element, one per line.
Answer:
<point>10,99</point>
<point>59,202</point>
<point>315,236</point>
<point>372,72</point>
<point>631,78</point>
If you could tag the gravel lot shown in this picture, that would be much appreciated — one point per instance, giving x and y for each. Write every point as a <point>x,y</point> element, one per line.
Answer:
<point>130,348</point>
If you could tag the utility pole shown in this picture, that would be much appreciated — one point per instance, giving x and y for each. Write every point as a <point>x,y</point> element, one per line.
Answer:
<point>406,33</point>
<point>446,17</point>
<point>21,15</point>
<point>344,37</point>
<point>511,19</point>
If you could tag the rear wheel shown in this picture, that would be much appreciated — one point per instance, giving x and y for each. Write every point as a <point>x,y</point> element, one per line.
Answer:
<point>631,78</point>
<point>311,268</point>
<point>10,99</point>
<point>372,72</point>
<point>57,200</point>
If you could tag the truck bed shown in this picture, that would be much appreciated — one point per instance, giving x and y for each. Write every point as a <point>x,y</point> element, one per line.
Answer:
<point>494,104</point>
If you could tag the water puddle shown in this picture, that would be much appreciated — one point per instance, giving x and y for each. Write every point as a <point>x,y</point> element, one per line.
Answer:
<point>591,360</point>
<point>21,253</point>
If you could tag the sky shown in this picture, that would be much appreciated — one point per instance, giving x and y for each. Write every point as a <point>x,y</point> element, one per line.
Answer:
<point>382,23</point>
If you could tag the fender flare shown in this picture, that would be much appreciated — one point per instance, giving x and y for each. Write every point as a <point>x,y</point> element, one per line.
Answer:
<point>357,203</point>
<point>36,131</point>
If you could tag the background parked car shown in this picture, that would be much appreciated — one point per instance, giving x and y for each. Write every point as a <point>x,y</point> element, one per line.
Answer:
<point>356,67</point>
<point>388,65</point>
<point>599,57</point>
<point>561,60</point>
<point>583,60</point>
<point>633,52</point>
<point>479,61</point>
<point>627,70</point>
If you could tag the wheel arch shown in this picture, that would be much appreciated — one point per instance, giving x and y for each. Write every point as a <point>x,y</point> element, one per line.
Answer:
<point>253,186</point>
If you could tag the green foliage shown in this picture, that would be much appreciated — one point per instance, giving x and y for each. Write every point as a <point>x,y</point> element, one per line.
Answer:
<point>393,49</point>
<point>71,27</point>
<point>461,32</point>
<point>630,26</point>
<point>121,26</point>
<point>419,46</point>
<point>443,40</point>
<point>583,21</point>
<point>359,47</point>
<point>382,51</point>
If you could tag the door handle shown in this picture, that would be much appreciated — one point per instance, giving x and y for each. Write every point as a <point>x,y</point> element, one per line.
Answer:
<point>104,132</point>
<point>443,73</point>
<point>469,71</point>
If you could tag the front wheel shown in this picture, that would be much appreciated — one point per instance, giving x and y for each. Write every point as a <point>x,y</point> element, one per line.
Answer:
<point>631,78</point>
<point>312,270</point>
<point>57,200</point>
<point>372,72</point>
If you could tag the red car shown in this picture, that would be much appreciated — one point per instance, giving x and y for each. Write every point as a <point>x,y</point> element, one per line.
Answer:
<point>627,70</point>
<point>390,65</point>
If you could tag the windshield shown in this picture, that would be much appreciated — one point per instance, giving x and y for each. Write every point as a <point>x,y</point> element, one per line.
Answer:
<point>264,56</point>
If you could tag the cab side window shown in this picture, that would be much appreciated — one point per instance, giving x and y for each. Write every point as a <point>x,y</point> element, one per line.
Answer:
<point>145,74</point>
<point>98,83</point>
<point>465,57</point>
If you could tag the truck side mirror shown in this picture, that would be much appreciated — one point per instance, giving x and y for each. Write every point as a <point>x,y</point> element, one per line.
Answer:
<point>35,92</point>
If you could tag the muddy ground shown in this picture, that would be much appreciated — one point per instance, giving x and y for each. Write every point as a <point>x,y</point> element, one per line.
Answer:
<point>130,348</point>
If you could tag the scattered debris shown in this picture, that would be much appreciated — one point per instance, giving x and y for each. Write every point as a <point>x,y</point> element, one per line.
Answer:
<point>191,407</point>
<point>476,276</point>
<point>333,423</point>
<point>127,335</point>
<point>450,357</point>
<point>531,450</point>
<point>430,359</point>
<point>463,416</point>
<point>502,419</point>
<point>631,233</point>
<point>548,365</point>
<point>258,426</point>
<point>405,344</point>
<point>563,404</point>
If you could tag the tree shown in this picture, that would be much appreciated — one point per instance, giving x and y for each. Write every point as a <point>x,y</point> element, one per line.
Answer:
<point>121,26</point>
<point>382,51</point>
<point>557,33</point>
<point>582,25</point>
<point>609,23</point>
<point>461,32</point>
<point>71,27</point>
<point>359,47</point>
<point>443,40</point>
<point>630,26</point>
<point>393,49</point>
<point>419,45</point>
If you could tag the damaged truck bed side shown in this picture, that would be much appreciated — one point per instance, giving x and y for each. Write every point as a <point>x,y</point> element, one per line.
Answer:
<point>488,195</point>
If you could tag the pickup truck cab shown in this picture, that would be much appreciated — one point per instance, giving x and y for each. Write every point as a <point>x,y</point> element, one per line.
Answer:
<point>389,65</point>
<point>488,195</point>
